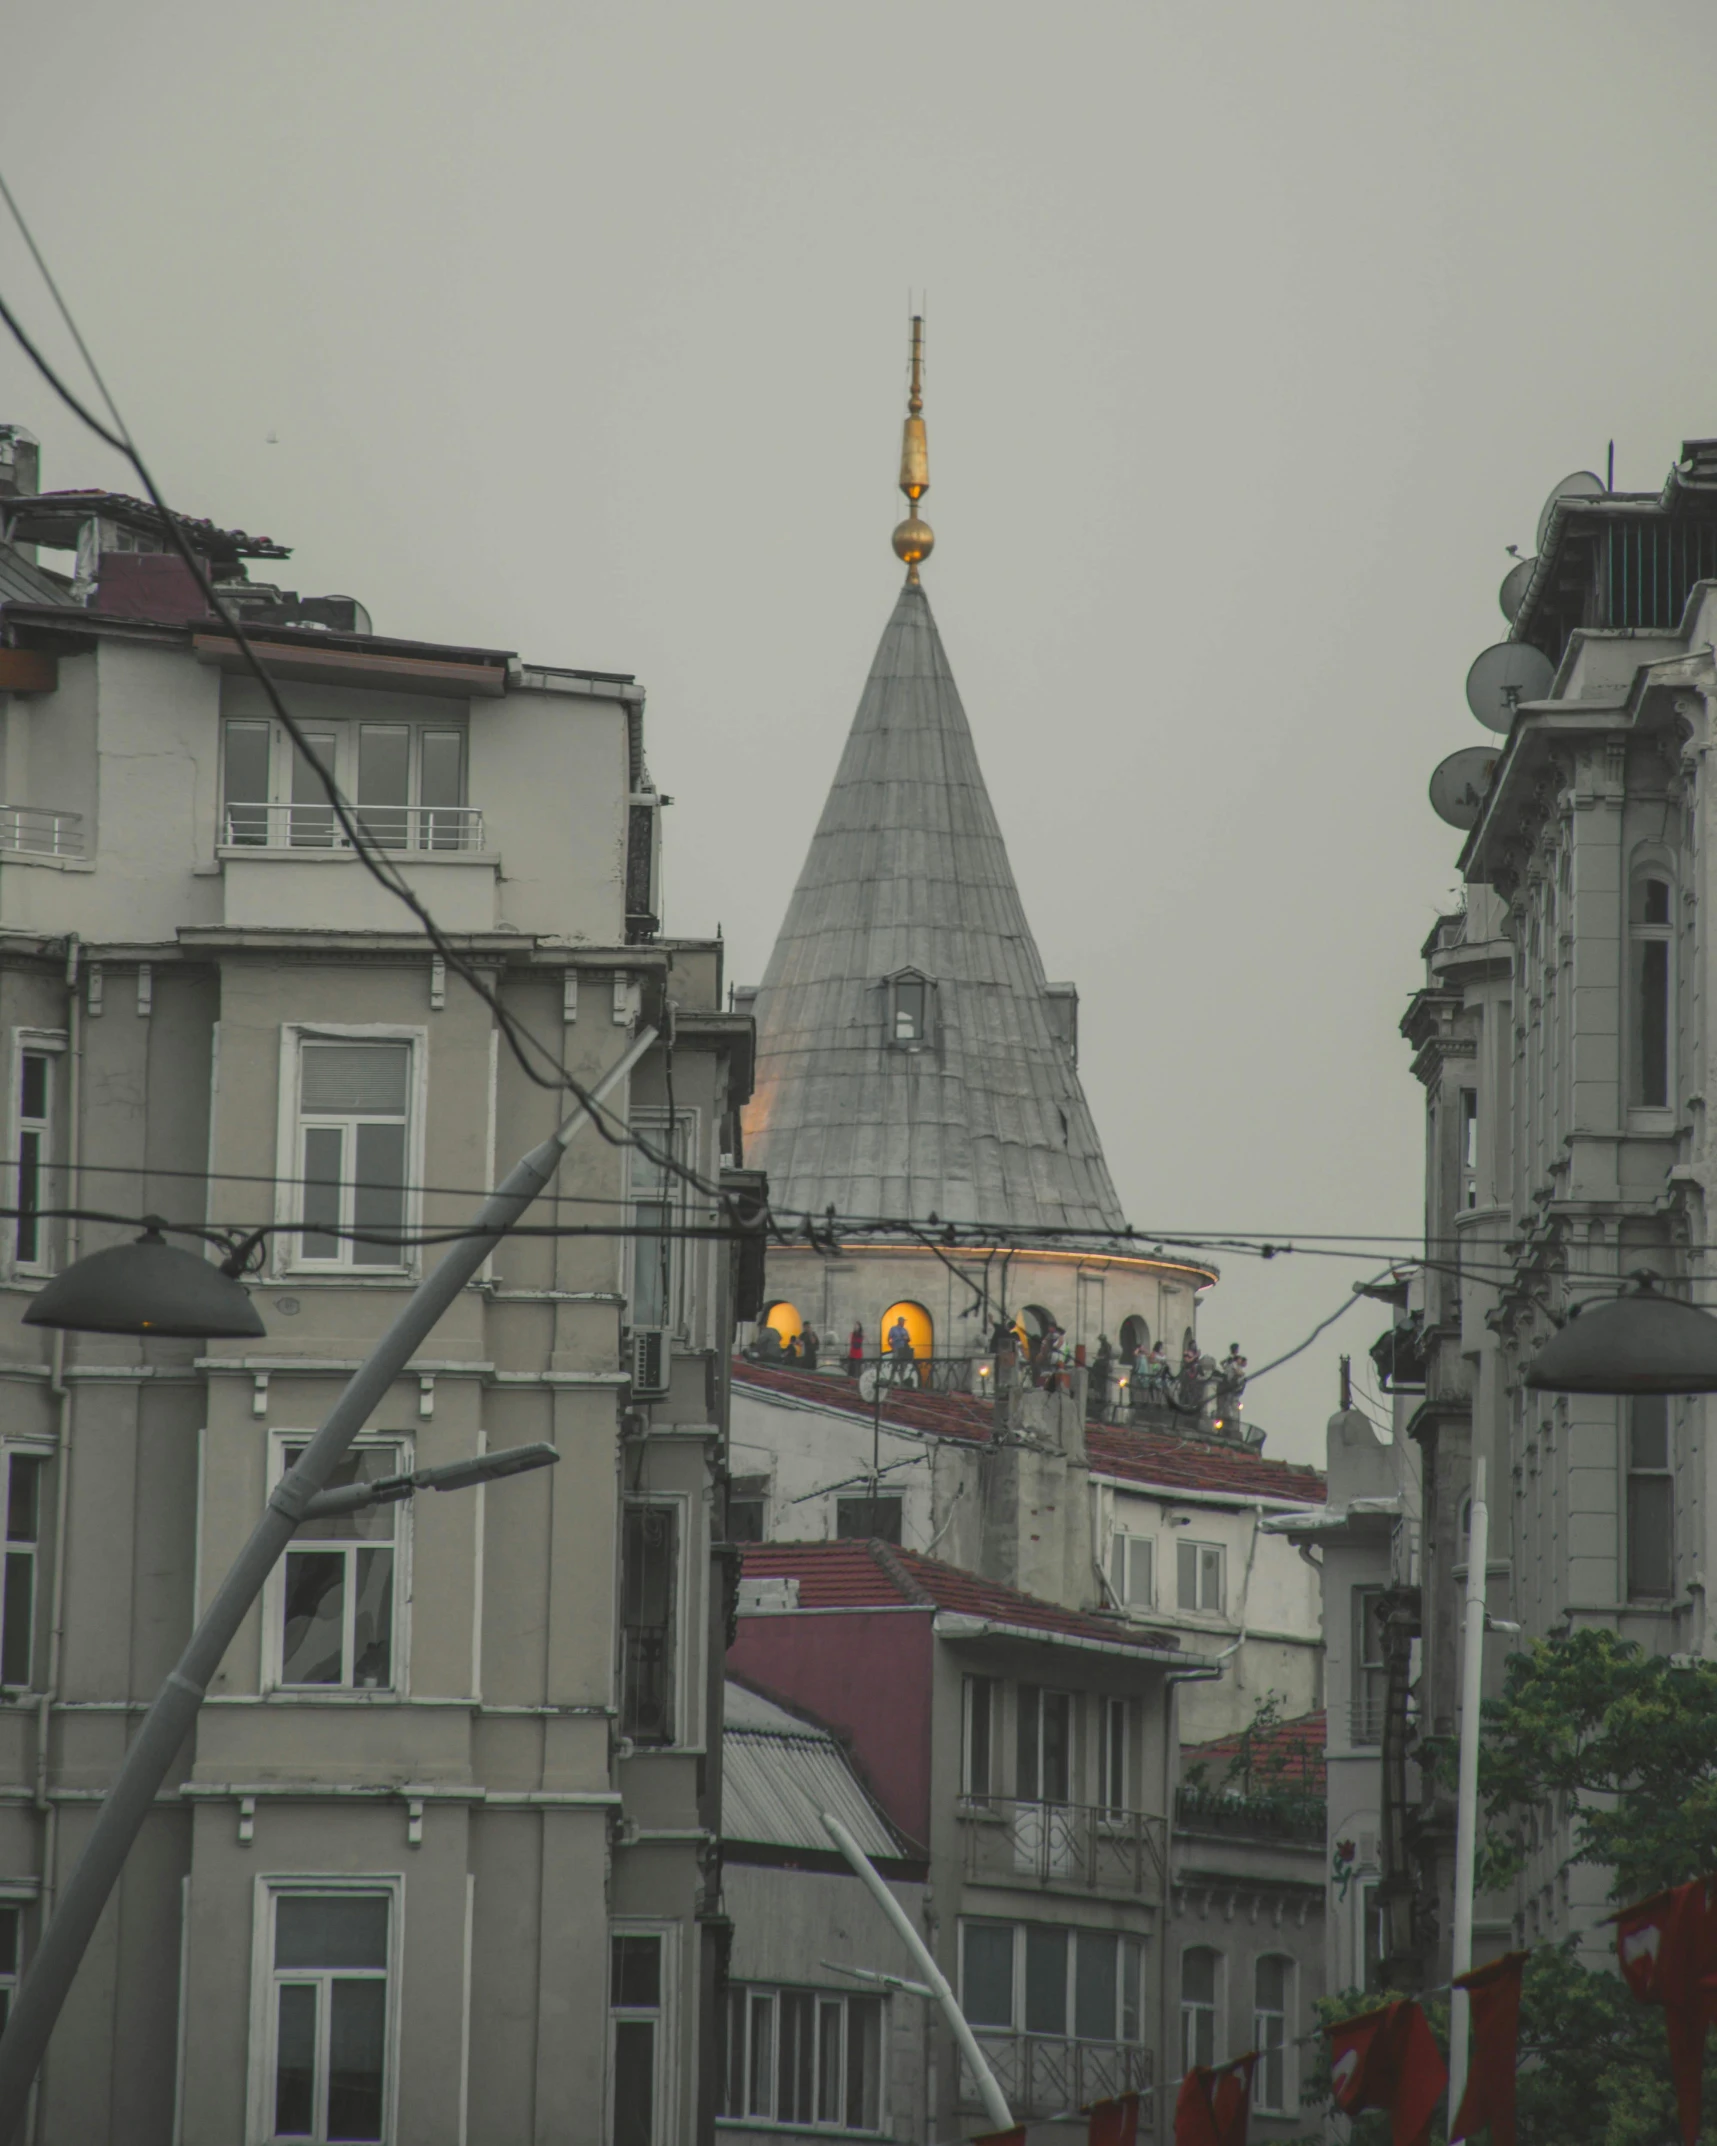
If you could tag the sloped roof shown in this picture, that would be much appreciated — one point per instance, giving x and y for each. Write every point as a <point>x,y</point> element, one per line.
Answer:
<point>780,1773</point>
<point>877,1575</point>
<point>21,582</point>
<point>1157,1460</point>
<point>1290,1755</point>
<point>907,869</point>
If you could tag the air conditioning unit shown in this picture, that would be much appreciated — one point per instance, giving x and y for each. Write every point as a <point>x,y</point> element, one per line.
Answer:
<point>651,1360</point>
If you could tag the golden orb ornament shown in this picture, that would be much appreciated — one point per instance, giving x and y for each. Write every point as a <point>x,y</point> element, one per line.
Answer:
<point>913,541</point>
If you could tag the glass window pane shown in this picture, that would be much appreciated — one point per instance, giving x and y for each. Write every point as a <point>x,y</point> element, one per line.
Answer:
<point>363,1464</point>
<point>760,2098</point>
<point>1094,1987</point>
<point>1132,1988</point>
<point>1651,989</point>
<point>1657,901</point>
<point>246,778</point>
<point>652,1264</point>
<point>384,764</point>
<point>23,1475</point>
<point>378,1203</point>
<point>1045,1980</point>
<point>1210,1580</point>
<point>33,1085</point>
<point>331,1930</point>
<point>1651,1563</point>
<point>1198,1975</point>
<point>1649,1430</point>
<point>324,1149</point>
<point>635,2082</point>
<point>355,1079</point>
<point>829,2061</point>
<point>978,1691</point>
<point>1026,1724</point>
<point>295,2061</point>
<point>9,1924</point>
<point>635,1972</point>
<point>795,2025</point>
<point>1186,1563</point>
<point>17,1618</point>
<point>733,2079</point>
<point>1057,1746</point>
<point>441,773</point>
<point>987,1974</point>
<point>357,2036</point>
<point>29,1196</point>
<point>1272,1976</point>
<point>372,1622</point>
<point>864,2063</point>
<point>313,1646</point>
<point>313,824</point>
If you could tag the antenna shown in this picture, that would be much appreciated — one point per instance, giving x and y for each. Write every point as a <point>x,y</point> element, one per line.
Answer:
<point>1581,485</point>
<point>1515,584</point>
<point>1346,1384</point>
<point>1610,469</point>
<point>1459,785</point>
<point>1503,676</point>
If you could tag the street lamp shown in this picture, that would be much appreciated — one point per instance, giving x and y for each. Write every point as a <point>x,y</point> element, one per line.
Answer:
<point>147,1287</point>
<point>1639,1341</point>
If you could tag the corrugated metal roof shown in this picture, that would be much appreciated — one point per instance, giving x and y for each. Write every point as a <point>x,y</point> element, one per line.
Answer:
<point>22,583</point>
<point>780,1773</point>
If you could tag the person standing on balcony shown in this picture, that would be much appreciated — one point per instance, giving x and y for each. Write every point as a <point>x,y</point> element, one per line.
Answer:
<point>855,1352</point>
<point>905,1365</point>
<point>808,1347</point>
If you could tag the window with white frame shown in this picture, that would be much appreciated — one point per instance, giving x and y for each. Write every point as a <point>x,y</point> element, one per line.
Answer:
<point>1043,1744</point>
<point>1200,1574</point>
<point>1040,1978</point>
<point>1651,1500</point>
<point>1114,1766</point>
<point>1651,976</point>
<point>1130,1570</point>
<point>1272,2000</point>
<point>1200,1984</point>
<point>327,2027</point>
<point>21,1487</point>
<point>981,1711</point>
<point>649,1618</point>
<point>656,1199</point>
<point>1469,1147</point>
<point>11,1955</point>
<point>406,781</point>
<point>639,2060</point>
<point>338,1588</point>
<point>811,2058</point>
<point>35,1083</point>
<point>353,1142</point>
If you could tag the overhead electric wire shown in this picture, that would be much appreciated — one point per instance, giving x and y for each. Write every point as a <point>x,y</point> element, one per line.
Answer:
<point>520,1040</point>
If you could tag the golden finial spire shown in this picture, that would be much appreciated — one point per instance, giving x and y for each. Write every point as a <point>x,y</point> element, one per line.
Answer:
<point>913,539</point>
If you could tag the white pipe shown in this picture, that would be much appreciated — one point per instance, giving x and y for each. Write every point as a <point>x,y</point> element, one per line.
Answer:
<point>1467,1794</point>
<point>995,2104</point>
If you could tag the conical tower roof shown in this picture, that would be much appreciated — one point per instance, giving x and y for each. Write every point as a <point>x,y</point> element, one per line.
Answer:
<point>982,1117</point>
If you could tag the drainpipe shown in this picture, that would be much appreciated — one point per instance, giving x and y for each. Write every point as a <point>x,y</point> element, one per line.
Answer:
<point>1226,1653</point>
<point>61,1391</point>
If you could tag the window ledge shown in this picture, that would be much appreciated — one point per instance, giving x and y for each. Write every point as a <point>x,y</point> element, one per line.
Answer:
<point>47,864</point>
<point>244,852</point>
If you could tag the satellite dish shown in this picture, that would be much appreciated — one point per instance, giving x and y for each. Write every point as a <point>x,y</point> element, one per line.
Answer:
<point>867,1383</point>
<point>1459,785</point>
<point>1515,582</point>
<point>1581,485</point>
<point>1503,677</point>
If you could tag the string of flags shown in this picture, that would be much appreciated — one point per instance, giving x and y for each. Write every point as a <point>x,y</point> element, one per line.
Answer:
<point>1388,2059</point>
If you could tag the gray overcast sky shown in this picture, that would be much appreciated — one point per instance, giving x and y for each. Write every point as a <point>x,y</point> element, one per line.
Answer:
<point>1256,333</point>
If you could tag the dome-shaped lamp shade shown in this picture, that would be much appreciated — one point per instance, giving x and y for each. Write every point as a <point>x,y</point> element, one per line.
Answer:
<point>1638,1342</point>
<point>148,1287</point>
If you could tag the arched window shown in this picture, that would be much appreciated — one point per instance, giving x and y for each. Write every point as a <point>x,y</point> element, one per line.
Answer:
<point>1200,1979</point>
<point>1135,1335</point>
<point>1651,972</point>
<point>784,1322</point>
<point>910,1012</point>
<point>1272,2001</point>
<point>920,1332</point>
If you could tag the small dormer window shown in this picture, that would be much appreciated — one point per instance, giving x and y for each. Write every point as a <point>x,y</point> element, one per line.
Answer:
<point>911,1010</point>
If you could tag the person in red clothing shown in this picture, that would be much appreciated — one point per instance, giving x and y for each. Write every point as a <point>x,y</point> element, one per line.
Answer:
<point>855,1352</point>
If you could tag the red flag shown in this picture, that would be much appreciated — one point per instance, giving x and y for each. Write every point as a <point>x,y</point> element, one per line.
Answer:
<point>1214,2103</point>
<point>1493,2001</point>
<point>1387,2059</point>
<point>1015,2137</point>
<point>1666,1946</point>
<point>1114,2123</point>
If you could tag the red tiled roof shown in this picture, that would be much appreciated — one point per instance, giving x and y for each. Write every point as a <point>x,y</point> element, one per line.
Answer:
<point>1290,1755</point>
<point>876,1575</point>
<point>1159,1458</point>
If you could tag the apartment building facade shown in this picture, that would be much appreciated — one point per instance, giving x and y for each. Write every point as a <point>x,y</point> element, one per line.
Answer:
<point>439,1862</point>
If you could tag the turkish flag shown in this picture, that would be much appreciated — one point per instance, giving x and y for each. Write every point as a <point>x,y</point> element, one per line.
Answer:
<point>1213,2104</point>
<point>1015,2137</point>
<point>1114,2123</point>
<point>1493,2002</point>
<point>1387,2059</point>
<point>1667,1946</point>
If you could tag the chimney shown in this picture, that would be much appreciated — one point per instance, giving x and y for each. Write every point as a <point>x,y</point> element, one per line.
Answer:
<point>20,463</point>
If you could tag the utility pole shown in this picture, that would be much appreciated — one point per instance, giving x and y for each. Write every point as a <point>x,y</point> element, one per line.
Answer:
<point>1467,1791</point>
<point>174,1709</point>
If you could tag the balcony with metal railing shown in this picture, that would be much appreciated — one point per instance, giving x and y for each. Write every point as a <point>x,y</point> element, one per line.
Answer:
<point>33,831</point>
<point>1043,2075</point>
<point>300,828</point>
<point>1074,1847</point>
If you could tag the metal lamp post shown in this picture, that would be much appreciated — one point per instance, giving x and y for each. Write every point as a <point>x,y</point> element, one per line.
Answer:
<point>300,1493</point>
<point>1636,1342</point>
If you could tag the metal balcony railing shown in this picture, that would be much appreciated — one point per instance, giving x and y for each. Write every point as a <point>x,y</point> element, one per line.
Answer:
<point>1284,1816</point>
<point>39,833</point>
<point>314,827</point>
<point>1365,1711</point>
<point>1077,1846</point>
<point>1050,2074</point>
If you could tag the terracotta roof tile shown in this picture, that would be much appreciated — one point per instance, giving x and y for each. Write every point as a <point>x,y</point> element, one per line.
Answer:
<point>1291,1754</point>
<point>876,1575</point>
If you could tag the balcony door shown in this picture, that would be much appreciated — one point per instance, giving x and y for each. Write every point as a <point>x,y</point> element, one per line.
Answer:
<point>1045,1831</point>
<point>406,781</point>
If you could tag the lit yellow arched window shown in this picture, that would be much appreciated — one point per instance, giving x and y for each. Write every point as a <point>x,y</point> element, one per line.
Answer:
<point>785,1319</point>
<point>919,1330</point>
